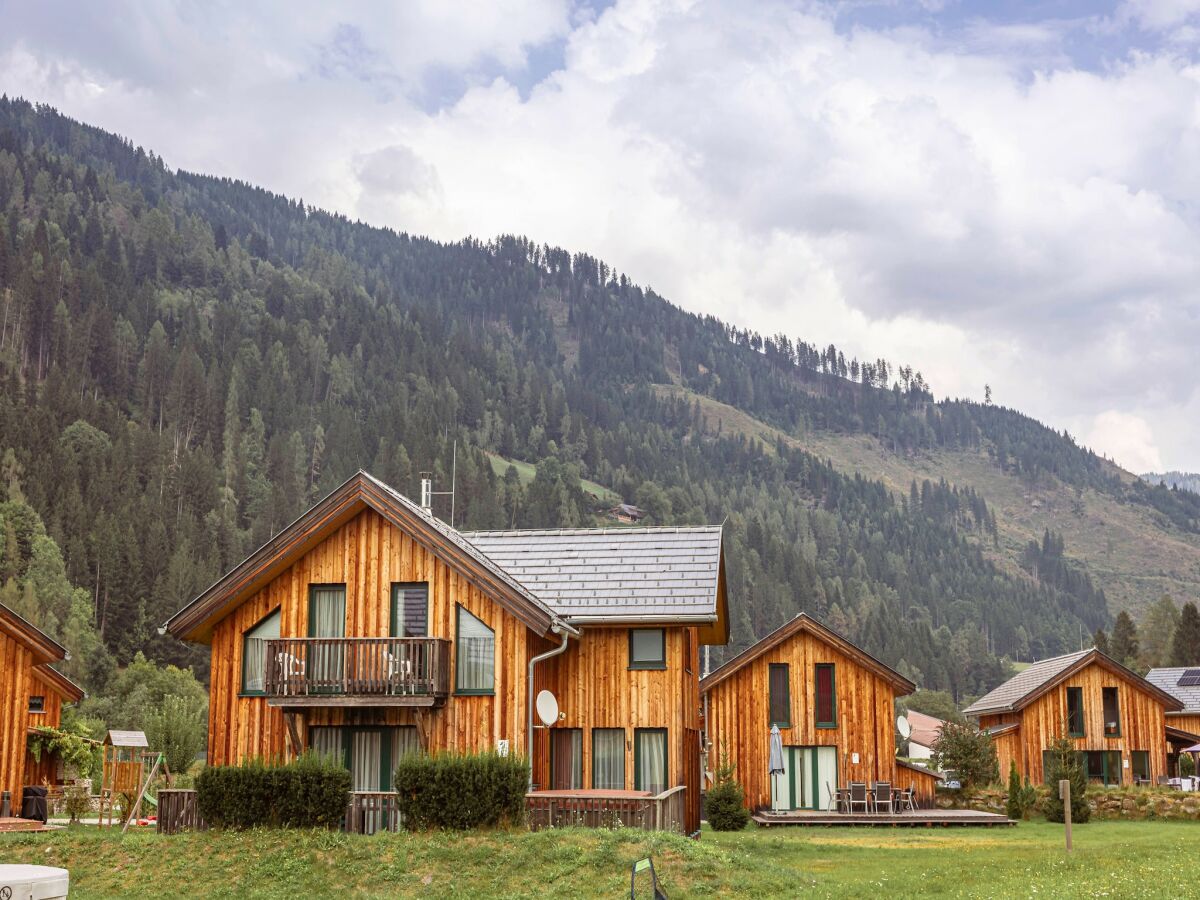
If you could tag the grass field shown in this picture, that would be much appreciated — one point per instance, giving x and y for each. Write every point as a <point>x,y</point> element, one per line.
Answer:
<point>527,471</point>
<point>1111,859</point>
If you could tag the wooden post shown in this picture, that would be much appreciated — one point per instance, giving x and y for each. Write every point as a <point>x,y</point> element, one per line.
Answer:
<point>1064,793</point>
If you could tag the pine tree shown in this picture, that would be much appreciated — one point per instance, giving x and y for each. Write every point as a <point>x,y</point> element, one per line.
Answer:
<point>1185,645</point>
<point>1124,643</point>
<point>1157,629</point>
<point>1100,641</point>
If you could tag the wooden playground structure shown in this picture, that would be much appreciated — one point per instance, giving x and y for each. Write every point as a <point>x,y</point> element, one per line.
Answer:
<point>125,775</point>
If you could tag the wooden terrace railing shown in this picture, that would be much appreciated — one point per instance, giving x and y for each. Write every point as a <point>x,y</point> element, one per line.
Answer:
<point>608,809</point>
<point>177,811</point>
<point>372,811</point>
<point>412,671</point>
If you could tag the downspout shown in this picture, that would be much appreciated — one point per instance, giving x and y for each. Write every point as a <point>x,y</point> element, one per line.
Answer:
<point>566,635</point>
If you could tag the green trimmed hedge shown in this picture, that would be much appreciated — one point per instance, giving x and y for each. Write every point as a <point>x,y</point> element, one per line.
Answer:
<point>461,791</point>
<point>311,792</point>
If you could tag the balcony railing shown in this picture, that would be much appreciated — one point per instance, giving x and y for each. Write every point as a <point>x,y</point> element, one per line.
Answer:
<point>357,671</point>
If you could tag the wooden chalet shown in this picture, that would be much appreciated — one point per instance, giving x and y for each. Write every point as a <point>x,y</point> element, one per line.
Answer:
<point>1182,725</point>
<point>32,695</point>
<point>834,704</point>
<point>1115,718</point>
<point>369,628</point>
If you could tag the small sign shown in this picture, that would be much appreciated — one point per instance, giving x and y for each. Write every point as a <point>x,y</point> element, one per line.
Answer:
<point>502,747</point>
<point>1124,764</point>
<point>854,758</point>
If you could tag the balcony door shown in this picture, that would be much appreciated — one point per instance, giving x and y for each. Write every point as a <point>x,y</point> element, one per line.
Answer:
<point>808,775</point>
<point>327,619</point>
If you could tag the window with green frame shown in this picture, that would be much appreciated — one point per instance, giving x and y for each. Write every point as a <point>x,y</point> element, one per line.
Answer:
<point>825,701</point>
<point>1112,712</point>
<point>475,656</point>
<point>608,759</point>
<point>1075,727</point>
<point>650,760</point>
<point>410,609</point>
<point>1139,764</point>
<point>254,653</point>
<point>647,648</point>
<point>780,695</point>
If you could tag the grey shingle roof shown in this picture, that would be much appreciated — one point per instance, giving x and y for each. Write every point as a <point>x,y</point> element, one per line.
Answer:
<point>613,574</point>
<point>1168,680</point>
<point>1008,695</point>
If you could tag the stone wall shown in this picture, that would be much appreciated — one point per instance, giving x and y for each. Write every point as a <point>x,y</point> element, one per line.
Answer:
<point>1106,803</point>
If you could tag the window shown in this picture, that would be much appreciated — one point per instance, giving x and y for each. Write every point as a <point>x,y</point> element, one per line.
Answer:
<point>410,610</point>
<point>325,667</point>
<point>37,703</point>
<point>1075,712</point>
<point>826,699</point>
<point>254,653</point>
<point>475,665</point>
<point>1139,762</point>
<point>647,648</point>
<point>650,760</point>
<point>1103,766</point>
<point>1112,713</point>
<point>780,701</point>
<point>369,752</point>
<point>608,759</point>
<point>566,759</point>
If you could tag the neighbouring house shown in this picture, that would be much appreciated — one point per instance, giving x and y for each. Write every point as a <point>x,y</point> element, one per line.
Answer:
<point>1183,725</point>
<point>32,695</point>
<point>834,705</point>
<point>626,512</point>
<point>925,730</point>
<point>370,628</point>
<point>1115,718</point>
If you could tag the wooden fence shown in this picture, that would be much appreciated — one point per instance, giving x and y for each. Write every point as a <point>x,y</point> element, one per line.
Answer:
<point>372,811</point>
<point>663,812</point>
<point>177,811</point>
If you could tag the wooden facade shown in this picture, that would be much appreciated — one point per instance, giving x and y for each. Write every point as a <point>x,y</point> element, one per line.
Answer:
<point>365,542</point>
<point>861,738</point>
<point>55,691</point>
<point>1024,734</point>
<point>25,657</point>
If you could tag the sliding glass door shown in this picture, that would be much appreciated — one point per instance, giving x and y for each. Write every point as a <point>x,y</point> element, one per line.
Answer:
<point>809,774</point>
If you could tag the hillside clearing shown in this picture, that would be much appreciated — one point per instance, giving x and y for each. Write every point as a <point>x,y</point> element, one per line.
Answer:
<point>1128,859</point>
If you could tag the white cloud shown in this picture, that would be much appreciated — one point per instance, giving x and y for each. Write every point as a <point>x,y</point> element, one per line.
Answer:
<point>1128,439</point>
<point>891,191</point>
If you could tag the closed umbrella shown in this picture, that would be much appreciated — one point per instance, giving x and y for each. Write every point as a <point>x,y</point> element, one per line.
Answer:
<point>775,762</point>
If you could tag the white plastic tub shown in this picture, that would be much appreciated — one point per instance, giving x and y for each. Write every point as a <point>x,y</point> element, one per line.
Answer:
<point>33,882</point>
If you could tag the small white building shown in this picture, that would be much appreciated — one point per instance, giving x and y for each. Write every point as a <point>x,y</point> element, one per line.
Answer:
<point>925,730</point>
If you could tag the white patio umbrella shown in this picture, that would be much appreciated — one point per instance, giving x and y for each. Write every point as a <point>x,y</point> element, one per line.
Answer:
<point>775,762</point>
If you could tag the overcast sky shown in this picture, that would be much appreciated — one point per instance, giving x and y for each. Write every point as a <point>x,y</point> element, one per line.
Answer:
<point>1002,193</point>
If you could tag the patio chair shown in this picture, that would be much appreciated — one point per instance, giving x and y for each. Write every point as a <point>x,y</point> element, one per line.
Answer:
<point>883,796</point>
<point>907,798</point>
<point>859,796</point>
<point>836,798</point>
<point>400,673</point>
<point>291,670</point>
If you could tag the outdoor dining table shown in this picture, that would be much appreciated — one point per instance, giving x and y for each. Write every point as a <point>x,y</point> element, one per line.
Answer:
<point>841,798</point>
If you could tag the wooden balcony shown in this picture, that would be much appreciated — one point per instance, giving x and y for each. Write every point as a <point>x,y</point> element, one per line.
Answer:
<point>306,672</point>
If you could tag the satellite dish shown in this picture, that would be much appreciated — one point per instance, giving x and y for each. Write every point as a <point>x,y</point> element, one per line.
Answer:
<point>903,727</point>
<point>547,708</point>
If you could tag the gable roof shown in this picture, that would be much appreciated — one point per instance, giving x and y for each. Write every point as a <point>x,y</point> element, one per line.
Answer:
<point>1168,680</point>
<point>45,648</point>
<point>925,729</point>
<point>619,575</point>
<point>361,491</point>
<point>806,623</point>
<point>65,686</point>
<point>1025,687</point>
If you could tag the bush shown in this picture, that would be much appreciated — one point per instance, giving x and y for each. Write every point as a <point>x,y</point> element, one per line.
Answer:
<point>450,790</point>
<point>969,752</point>
<point>1064,763</point>
<point>1021,797</point>
<point>77,800</point>
<point>177,728</point>
<point>725,802</point>
<point>311,792</point>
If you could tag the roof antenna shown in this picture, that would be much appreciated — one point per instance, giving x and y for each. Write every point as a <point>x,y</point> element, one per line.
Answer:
<point>428,493</point>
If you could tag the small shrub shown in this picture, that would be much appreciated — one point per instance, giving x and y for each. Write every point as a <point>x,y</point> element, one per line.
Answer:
<point>461,791</point>
<point>311,792</point>
<point>969,752</point>
<point>1187,765</point>
<point>1021,798</point>
<point>1064,763</point>
<point>77,800</point>
<point>725,802</point>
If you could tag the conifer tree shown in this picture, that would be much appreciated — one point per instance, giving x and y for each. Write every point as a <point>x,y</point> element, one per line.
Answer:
<point>1124,643</point>
<point>1185,645</point>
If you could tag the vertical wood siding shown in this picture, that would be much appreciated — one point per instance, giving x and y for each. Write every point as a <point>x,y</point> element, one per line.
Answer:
<point>367,554</point>
<point>1141,717</point>
<point>16,674</point>
<point>596,688</point>
<point>44,770</point>
<point>739,718</point>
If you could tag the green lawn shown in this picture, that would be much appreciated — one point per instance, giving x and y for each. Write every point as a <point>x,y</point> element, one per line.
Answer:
<point>1113,859</point>
<point>527,471</point>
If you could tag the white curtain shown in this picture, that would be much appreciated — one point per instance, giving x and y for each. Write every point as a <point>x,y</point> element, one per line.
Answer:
<point>476,654</point>
<point>652,760</point>
<point>608,759</point>
<point>404,741</point>
<point>254,652</point>
<point>326,741</point>
<point>328,612</point>
<point>366,761</point>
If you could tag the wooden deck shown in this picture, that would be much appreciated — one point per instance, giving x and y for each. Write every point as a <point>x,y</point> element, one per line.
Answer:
<point>926,818</point>
<point>12,823</point>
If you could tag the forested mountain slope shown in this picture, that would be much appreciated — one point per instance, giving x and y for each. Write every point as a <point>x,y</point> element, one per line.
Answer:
<point>1185,481</point>
<point>187,362</point>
